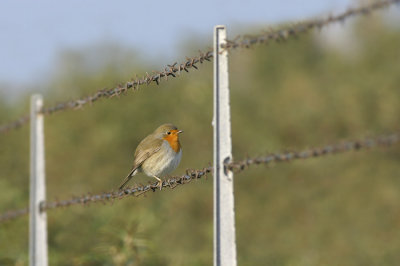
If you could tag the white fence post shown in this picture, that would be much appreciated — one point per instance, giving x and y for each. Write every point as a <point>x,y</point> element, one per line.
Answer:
<point>224,214</point>
<point>37,219</point>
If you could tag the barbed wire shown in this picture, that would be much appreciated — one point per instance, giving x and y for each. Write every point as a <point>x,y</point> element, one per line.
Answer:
<point>191,174</point>
<point>380,141</point>
<point>13,214</point>
<point>14,124</point>
<point>283,34</point>
<point>170,71</point>
<point>174,70</point>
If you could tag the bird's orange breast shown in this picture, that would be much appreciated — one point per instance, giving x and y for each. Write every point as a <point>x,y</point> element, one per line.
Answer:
<point>173,141</point>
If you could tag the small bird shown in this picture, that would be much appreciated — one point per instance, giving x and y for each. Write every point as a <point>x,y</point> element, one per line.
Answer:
<point>158,154</point>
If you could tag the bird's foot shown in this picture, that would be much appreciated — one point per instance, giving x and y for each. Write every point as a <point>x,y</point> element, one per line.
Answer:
<point>160,184</point>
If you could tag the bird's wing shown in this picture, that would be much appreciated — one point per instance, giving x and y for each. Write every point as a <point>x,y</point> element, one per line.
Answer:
<point>146,148</point>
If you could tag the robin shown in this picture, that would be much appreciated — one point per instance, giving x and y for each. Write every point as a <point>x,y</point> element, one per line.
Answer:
<point>158,154</point>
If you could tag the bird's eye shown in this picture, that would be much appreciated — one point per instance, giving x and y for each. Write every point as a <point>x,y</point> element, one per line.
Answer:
<point>169,133</point>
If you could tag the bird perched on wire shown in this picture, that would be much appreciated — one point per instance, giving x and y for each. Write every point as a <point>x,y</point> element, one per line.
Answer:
<point>158,154</point>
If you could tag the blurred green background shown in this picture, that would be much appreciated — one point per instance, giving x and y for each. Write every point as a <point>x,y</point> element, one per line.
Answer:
<point>337,210</point>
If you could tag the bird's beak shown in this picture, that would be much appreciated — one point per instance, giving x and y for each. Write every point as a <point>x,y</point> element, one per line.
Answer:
<point>179,131</point>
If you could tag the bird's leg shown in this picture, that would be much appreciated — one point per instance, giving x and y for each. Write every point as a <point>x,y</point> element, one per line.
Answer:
<point>160,182</point>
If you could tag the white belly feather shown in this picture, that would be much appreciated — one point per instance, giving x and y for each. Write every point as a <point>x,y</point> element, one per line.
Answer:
<point>163,162</point>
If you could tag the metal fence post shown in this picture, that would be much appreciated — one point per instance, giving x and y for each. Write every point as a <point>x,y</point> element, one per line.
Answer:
<point>37,219</point>
<point>224,215</point>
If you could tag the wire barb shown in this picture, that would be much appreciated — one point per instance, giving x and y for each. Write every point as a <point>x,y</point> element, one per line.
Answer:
<point>192,174</point>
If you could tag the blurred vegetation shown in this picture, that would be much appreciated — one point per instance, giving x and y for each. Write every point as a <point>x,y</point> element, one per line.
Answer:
<point>337,210</point>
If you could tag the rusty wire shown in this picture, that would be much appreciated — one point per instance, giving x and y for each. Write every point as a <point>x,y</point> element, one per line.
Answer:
<point>284,34</point>
<point>14,124</point>
<point>13,214</point>
<point>380,141</point>
<point>171,70</point>
<point>238,166</point>
<point>175,69</point>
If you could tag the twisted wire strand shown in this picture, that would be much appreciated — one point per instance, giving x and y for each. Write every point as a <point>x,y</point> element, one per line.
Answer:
<point>170,71</point>
<point>380,141</point>
<point>285,33</point>
<point>13,214</point>
<point>236,166</point>
<point>174,70</point>
<point>14,124</point>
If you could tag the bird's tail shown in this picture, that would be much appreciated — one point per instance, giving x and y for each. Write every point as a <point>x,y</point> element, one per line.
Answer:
<point>127,178</point>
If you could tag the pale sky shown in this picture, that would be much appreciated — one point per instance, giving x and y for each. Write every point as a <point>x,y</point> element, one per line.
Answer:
<point>34,32</point>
